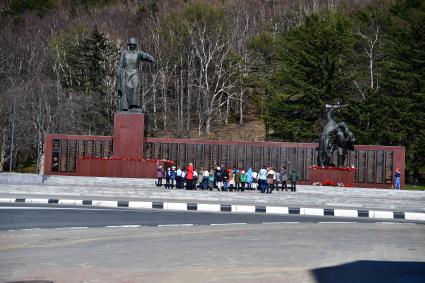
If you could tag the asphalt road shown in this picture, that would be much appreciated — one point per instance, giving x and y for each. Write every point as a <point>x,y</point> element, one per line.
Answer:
<point>285,252</point>
<point>13,217</point>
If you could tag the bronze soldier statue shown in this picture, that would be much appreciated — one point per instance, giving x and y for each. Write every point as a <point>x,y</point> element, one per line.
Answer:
<point>128,76</point>
<point>335,136</point>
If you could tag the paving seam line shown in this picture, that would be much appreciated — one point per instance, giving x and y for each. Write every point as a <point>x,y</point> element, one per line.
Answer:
<point>237,208</point>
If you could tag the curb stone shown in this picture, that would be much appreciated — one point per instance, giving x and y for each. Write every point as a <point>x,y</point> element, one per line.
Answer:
<point>234,208</point>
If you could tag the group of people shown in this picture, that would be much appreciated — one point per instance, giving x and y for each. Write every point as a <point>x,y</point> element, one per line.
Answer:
<point>226,179</point>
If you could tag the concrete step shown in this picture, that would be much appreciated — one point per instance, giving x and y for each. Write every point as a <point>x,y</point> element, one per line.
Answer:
<point>97,181</point>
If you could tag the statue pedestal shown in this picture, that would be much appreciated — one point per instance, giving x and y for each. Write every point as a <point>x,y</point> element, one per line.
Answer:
<point>127,158</point>
<point>331,176</point>
<point>128,135</point>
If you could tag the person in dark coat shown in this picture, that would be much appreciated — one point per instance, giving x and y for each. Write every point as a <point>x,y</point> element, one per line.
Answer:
<point>294,178</point>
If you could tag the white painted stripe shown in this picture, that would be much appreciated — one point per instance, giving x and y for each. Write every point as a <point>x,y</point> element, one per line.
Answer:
<point>7,200</point>
<point>277,210</point>
<point>337,222</point>
<point>175,206</point>
<point>224,224</point>
<point>345,213</point>
<point>243,208</point>
<point>381,214</point>
<point>71,201</point>
<point>37,200</point>
<point>312,211</point>
<point>140,204</point>
<point>123,226</point>
<point>414,216</point>
<point>104,203</point>
<point>174,225</point>
<point>209,207</point>
<point>70,228</point>
<point>386,223</point>
<point>271,223</point>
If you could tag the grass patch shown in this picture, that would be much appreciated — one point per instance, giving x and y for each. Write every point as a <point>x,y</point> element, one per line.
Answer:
<point>414,188</point>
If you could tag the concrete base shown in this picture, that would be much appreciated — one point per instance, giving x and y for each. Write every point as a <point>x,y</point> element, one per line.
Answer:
<point>331,176</point>
<point>116,168</point>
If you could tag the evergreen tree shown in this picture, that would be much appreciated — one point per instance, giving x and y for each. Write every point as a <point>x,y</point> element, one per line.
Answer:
<point>88,72</point>
<point>404,80</point>
<point>314,67</point>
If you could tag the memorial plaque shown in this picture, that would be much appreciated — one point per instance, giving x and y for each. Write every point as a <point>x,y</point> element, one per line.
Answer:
<point>362,166</point>
<point>232,155</point>
<point>207,156</point>
<point>215,155</point>
<point>157,150</point>
<point>225,155</point>
<point>81,148</point>
<point>64,155</point>
<point>275,158</point>
<point>389,167</point>
<point>107,149</point>
<point>147,151</point>
<point>266,156</point>
<point>379,167</point>
<point>98,149</point>
<point>292,159</point>
<point>300,163</point>
<point>370,166</point>
<point>174,152</point>
<point>90,148</point>
<point>309,162</point>
<point>72,155</point>
<point>241,156</point>
<point>258,153</point>
<point>165,151</point>
<point>249,155</point>
<point>283,157</point>
<point>182,155</point>
<point>199,156</point>
<point>190,153</point>
<point>55,155</point>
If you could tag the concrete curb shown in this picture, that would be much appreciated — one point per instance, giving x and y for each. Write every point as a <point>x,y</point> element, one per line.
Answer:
<point>235,208</point>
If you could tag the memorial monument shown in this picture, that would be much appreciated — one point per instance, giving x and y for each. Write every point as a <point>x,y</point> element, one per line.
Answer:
<point>128,76</point>
<point>129,153</point>
<point>335,138</point>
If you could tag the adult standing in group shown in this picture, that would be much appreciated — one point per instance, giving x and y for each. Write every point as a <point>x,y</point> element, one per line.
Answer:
<point>225,178</point>
<point>218,177</point>
<point>160,174</point>
<point>205,179</point>
<point>271,175</point>
<point>284,178</point>
<point>189,177</point>
<point>249,178</point>
<point>179,178</point>
<point>294,178</point>
<point>128,76</point>
<point>262,177</point>
<point>243,180</point>
<point>173,176</point>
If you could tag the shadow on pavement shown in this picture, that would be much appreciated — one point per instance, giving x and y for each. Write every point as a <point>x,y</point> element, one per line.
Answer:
<point>366,271</point>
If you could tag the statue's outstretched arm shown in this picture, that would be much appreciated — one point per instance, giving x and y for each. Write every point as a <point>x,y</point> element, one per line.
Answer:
<point>147,57</point>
